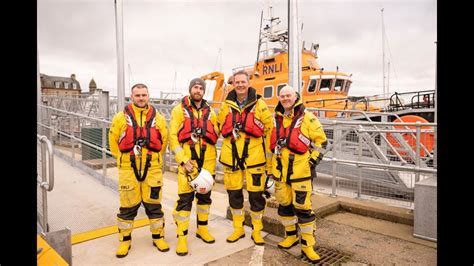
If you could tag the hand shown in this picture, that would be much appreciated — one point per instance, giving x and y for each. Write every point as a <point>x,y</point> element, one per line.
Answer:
<point>267,194</point>
<point>188,166</point>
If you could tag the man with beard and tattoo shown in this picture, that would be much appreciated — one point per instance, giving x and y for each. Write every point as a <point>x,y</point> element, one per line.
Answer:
<point>193,135</point>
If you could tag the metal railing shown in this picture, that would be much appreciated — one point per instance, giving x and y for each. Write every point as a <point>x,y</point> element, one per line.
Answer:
<point>365,159</point>
<point>45,179</point>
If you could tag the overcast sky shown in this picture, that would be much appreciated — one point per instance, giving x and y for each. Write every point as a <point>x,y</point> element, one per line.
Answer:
<point>167,43</point>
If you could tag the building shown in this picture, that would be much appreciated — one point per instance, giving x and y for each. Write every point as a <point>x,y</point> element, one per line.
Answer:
<point>60,86</point>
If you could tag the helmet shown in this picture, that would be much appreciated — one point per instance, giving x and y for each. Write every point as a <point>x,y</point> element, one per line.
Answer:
<point>203,182</point>
<point>270,186</point>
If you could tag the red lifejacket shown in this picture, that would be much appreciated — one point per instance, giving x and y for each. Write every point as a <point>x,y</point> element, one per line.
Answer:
<point>202,126</point>
<point>146,136</point>
<point>245,121</point>
<point>290,137</point>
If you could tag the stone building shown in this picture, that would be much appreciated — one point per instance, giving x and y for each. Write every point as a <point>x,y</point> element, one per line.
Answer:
<point>60,86</point>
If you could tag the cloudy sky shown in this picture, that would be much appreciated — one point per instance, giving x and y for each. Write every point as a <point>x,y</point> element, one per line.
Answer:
<point>167,43</point>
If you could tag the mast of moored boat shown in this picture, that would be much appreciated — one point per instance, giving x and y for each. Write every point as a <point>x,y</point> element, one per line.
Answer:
<point>294,50</point>
<point>120,68</point>
<point>383,56</point>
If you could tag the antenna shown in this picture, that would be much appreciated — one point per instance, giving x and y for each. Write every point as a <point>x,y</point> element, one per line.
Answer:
<point>259,41</point>
<point>383,53</point>
<point>388,78</point>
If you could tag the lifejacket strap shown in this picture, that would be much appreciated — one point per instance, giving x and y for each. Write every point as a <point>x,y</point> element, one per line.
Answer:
<point>290,167</point>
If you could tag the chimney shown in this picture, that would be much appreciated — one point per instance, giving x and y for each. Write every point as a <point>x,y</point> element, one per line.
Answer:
<point>73,76</point>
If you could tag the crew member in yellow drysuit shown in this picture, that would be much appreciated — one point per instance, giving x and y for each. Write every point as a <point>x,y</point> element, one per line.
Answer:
<point>138,139</point>
<point>245,123</point>
<point>296,141</point>
<point>193,135</point>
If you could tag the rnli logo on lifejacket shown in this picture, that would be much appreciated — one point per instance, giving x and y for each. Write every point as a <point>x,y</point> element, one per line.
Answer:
<point>124,187</point>
<point>258,123</point>
<point>304,139</point>
<point>275,68</point>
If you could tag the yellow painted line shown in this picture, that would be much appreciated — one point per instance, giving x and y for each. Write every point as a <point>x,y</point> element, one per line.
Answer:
<point>86,236</point>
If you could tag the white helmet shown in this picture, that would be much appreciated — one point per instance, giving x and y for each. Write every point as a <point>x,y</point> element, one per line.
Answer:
<point>270,186</point>
<point>203,182</point>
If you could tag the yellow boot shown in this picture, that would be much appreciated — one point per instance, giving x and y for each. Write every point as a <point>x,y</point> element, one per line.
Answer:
<point>182,246</point>
<point>158,234</point>
<point>257,226</point>
<point>125,228</point>
<point>181,219</point>
<point>238,219</point>
<point>307,243</point>
<point>202,229</point>
<point>291,238</point>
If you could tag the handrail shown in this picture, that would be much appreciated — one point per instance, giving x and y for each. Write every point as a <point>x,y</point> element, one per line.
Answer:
<point>46,183</point>
<point>50,184</point>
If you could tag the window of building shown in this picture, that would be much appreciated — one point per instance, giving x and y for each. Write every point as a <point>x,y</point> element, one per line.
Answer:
<point>268,92</point>
<point>57,84</point>
<point>74,86</point>
<point>339,84</point>
<point>66,85</point>
<point>312,85</point>
<point>325,85</point>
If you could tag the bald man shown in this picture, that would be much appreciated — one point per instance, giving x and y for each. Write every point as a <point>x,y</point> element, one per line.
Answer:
<point>296,139</point>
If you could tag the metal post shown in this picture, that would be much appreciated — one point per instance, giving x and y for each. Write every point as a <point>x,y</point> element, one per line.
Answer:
<point>336,134</point>
<point>104,157</point>
<point>104,104</point>
<point>359,187</point>
<point>294,48</point>
<point>120,68</point>
<point>71,131</point>
<point>417,150</point>
<point>43,181</point>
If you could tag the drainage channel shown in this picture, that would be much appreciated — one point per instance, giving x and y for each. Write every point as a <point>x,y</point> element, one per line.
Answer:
<point>331,257</point>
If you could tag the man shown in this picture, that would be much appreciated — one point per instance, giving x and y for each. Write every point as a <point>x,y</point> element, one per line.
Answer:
<point>193,135</point>
<point>245,123</point>
<point>296,141</point>
<point>138,139</point>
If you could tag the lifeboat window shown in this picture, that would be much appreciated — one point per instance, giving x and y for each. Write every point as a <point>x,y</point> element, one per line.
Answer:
<point>268,92</point>
<point>348,85</point>
<point>280,87</point>
<point>339,84</point>
<point>325,85</point>
<point>312,86</point>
